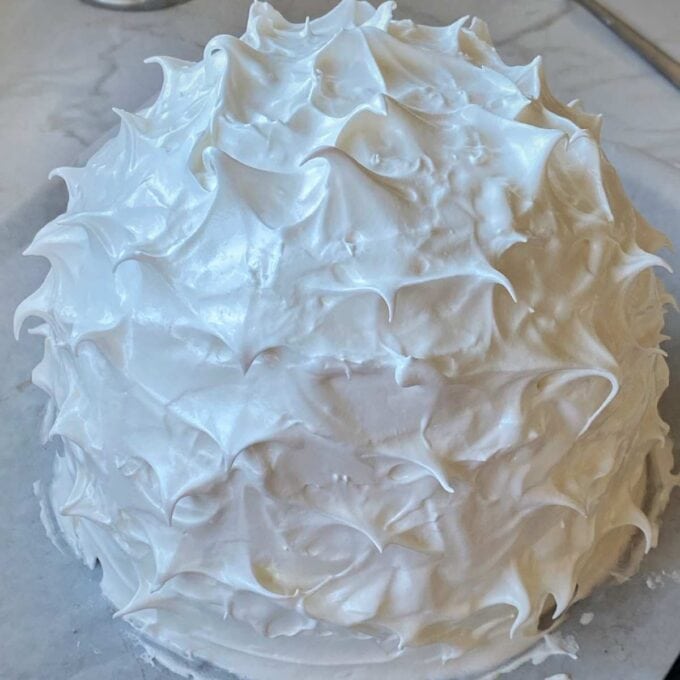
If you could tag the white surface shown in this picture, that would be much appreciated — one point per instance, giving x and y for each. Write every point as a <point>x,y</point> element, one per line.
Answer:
<point>58,86</point>
<point>63,65</point>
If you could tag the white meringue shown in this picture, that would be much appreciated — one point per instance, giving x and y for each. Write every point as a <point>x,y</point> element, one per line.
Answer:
<point>352,342</point>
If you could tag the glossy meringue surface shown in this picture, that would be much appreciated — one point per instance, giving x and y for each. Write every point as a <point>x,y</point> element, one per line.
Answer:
<point>352,342</point>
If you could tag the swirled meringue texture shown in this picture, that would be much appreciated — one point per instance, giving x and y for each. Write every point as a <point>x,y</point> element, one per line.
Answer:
<point>352,342</point>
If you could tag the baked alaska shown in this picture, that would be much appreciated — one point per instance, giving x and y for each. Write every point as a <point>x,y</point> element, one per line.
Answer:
<point>352,352</point>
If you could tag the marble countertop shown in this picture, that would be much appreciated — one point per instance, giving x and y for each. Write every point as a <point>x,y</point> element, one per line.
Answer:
<point>64,64</point>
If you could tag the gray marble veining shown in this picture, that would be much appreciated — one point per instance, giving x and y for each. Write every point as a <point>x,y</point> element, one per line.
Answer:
<point>63,65</point>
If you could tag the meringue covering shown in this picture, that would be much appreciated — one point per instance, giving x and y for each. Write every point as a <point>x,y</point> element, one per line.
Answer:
<point>352,343</point>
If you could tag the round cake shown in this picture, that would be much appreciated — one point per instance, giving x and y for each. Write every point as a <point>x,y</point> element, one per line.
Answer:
<point>352,351</point>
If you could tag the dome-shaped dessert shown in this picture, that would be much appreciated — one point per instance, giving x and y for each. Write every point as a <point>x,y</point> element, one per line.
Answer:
<point>352,343</point>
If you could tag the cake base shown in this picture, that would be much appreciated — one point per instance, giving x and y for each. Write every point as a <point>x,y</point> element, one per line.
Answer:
<point>617,557</point>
